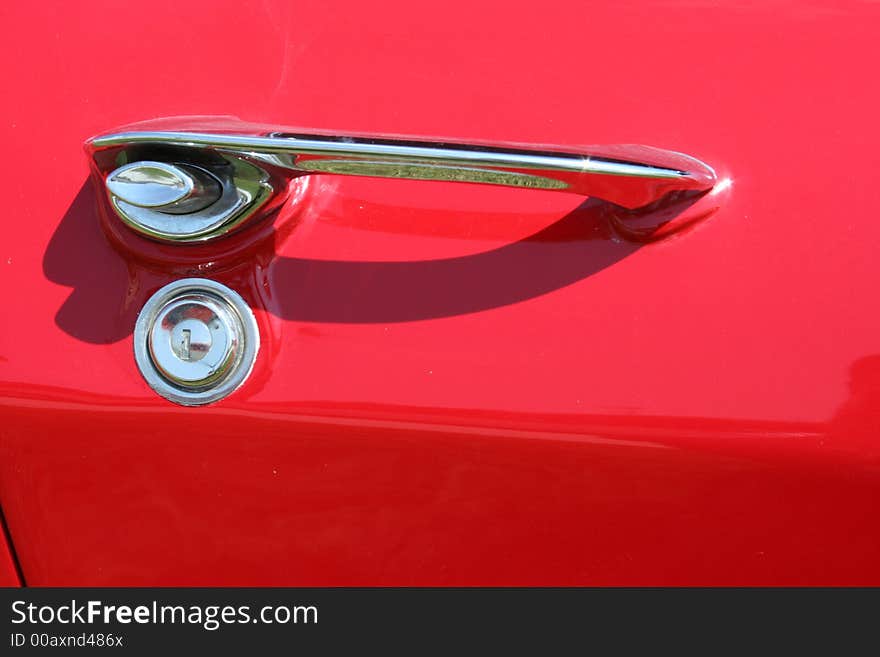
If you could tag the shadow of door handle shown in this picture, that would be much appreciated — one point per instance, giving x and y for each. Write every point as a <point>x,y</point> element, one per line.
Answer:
<point>177,159</point>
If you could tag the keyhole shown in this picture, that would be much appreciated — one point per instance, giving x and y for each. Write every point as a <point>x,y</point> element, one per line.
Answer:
<point>190,340</point>
<point>184,342</point>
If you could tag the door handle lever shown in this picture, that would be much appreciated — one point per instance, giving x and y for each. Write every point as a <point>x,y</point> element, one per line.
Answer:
<point>193,182</point>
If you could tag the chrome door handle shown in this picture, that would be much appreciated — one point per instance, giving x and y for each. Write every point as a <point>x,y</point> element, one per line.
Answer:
<point>184,182</point>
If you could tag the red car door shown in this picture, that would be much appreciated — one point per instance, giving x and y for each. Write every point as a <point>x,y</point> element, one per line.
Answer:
<point>456,384</point>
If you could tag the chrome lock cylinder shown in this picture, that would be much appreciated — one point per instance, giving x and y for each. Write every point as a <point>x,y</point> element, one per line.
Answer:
<point>195,341</point>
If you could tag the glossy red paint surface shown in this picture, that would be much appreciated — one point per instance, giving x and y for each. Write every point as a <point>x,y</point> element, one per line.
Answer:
<point>457,385</point>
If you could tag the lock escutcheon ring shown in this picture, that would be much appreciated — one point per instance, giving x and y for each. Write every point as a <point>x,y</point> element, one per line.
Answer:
<point>195,341</point>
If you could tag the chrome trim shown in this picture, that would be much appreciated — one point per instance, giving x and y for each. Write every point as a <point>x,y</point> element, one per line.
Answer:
<point>151,184</point>
<point>630,176</point>
<point>230,353</point>
<point>447,155</point>
<point>218,202</point>
<point>183,226</point>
